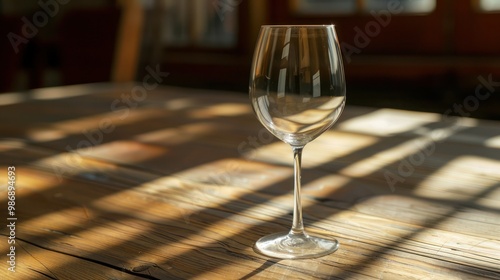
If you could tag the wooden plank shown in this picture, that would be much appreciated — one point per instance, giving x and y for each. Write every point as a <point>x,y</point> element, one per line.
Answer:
<point>35,262</point>
<point>185,184</point>
<point>169,227</point>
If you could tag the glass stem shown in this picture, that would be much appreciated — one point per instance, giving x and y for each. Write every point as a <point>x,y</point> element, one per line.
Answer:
<point>297,226</point>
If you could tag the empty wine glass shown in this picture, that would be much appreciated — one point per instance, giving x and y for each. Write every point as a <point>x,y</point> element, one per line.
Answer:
<point>297,90</point>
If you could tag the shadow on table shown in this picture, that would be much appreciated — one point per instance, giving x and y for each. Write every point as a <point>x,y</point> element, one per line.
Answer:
<point>162,232</point>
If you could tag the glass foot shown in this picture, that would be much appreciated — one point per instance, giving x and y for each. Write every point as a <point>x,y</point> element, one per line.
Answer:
<point>286,245</point>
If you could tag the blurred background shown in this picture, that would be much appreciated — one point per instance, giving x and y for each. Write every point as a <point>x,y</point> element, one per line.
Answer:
<point>425,55</point>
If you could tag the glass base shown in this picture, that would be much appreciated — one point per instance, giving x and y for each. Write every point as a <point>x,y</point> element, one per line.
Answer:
<point>286,245</point>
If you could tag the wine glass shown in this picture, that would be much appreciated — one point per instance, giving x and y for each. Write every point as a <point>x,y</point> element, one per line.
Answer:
<point>297,90</point>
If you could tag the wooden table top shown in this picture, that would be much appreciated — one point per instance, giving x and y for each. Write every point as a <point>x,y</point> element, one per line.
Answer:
<point>118,182</point>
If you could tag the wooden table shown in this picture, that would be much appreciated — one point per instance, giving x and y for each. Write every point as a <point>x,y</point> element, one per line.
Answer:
<point>120,182</point>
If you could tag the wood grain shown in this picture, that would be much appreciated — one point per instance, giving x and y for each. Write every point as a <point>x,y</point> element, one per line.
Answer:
<point>168,194</point>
